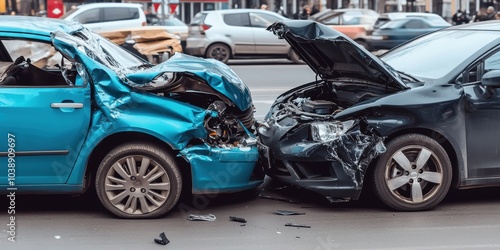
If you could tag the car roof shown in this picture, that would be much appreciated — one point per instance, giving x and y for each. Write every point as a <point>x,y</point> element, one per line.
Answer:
<point>238,11</point>
<point>97,5</point>
<point>357,10</point>
<point>36,25</point>
<point>399,15</point>
<point>485,25</point>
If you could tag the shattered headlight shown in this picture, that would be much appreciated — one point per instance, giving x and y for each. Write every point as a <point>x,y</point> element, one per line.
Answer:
<point>328,131</point>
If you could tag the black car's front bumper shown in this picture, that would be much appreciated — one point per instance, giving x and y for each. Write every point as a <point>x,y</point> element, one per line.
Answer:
<point>334,169</point>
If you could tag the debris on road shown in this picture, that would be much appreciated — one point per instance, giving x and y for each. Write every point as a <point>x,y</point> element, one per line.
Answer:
<point>162,240</point>
<point>238,219</point>
<point>287,212</point>
<point>296,225</point>
<point>209,217</point>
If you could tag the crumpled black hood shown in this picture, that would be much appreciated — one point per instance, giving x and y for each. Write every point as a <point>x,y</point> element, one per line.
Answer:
<point>330,54</point>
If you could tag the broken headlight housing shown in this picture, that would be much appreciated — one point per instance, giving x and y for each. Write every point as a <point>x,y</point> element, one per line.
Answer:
<point>329,131</point>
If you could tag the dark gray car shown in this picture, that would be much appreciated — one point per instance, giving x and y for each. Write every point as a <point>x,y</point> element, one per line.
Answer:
<point>420,119</point>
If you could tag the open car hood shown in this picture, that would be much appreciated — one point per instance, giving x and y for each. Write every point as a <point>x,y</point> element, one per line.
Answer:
<point>332,55</point>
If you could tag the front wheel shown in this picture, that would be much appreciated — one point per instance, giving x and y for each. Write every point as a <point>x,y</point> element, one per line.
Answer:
<point>219,51</point>
<point>413,174</point>
<point>138,180</point>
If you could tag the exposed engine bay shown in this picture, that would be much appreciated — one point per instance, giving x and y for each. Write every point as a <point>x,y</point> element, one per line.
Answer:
<point>225,123</point>
<point>323,99</point>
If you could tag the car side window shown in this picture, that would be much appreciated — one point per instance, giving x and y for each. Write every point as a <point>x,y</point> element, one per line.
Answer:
<point>350,20</point>
<point>416,24</point>
<point>35,64</point>
<point>262,20</point>
<point>475,73</point>
<point>237,19</point>
<point>117,14</point>
<point>89,16</point>
<point>492,62</point>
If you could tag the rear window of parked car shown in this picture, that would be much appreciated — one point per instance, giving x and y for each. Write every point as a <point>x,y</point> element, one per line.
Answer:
<point>117,14</point>
<point>262,20</point>
<point>109,15</point>
<point>238,19</point>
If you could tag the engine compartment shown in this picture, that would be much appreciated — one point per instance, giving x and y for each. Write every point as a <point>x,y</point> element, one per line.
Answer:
<point>226,124</point>
<point>325,98</point>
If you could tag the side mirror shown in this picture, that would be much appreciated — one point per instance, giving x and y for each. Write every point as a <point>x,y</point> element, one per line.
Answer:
<point>491,79</point>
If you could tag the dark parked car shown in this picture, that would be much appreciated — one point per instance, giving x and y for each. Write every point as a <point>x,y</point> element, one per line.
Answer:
<point>419,119</point>
<point>78,110</point>
<point>398,31</point>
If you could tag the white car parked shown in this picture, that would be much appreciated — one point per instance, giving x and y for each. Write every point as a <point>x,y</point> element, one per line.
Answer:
<point>236,33</point>
<point>103,17</point>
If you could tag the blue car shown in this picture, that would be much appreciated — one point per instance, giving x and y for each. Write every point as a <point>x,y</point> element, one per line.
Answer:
<point>398,31</point>
<point>78,111</point>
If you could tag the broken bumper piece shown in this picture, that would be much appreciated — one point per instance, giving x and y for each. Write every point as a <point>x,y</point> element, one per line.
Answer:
<point>217,169</point>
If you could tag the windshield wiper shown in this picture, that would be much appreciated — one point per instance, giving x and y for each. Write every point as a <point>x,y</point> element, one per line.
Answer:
<point>407,76</point>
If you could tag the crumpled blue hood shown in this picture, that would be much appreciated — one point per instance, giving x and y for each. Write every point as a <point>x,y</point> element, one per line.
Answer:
<point>217,74</point>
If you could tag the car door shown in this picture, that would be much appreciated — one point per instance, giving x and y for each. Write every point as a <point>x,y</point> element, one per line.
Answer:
<point>240,32</point>
<point>482,120</point>
<point>45,120</point>
<point>266,42</point>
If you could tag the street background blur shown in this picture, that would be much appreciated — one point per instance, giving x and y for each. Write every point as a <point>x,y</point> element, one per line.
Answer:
<point>186,9</point>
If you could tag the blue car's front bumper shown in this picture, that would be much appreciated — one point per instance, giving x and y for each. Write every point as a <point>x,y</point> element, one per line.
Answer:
<point>220,170</point>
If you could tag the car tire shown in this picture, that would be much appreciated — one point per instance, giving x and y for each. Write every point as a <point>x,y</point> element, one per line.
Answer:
<point>149,189</point>
<point>294,57</point>
<point>413,174</point>
<point>219,51</point>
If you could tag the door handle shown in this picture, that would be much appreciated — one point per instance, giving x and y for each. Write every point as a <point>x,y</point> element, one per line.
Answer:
<point>71,105</point>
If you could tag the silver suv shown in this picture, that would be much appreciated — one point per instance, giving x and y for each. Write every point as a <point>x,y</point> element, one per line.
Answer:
<point>104,17</point>
<point>236,33</point>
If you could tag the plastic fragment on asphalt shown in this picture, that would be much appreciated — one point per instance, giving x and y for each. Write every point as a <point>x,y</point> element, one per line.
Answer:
<point>237,219</point>
<point>57,237</point>
<point>209,217</point>
<point>162,240</point>
<point>296,225</point>
<point>287,212</point>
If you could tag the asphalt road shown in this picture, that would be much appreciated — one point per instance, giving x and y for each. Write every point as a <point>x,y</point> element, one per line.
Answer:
<point>468,219</point>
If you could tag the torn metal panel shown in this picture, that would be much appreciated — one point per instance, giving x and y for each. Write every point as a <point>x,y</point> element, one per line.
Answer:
<point>354,151</point>
<point>139,74</point>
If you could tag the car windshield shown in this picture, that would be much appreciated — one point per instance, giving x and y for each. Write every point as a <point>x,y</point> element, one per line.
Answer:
<point>102,50</point>
<point>174,22</point>
<point>435,55</point>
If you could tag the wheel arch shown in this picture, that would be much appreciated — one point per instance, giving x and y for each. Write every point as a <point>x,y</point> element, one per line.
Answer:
<point>112,141</point>
<point>439,138</point>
